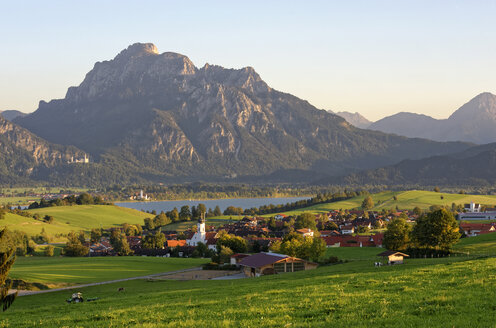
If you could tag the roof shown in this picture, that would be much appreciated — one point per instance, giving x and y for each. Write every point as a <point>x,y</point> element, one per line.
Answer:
<point>304,230</point>
<point>176,243</point>
<point>261,259</point>
<point>389,253</point>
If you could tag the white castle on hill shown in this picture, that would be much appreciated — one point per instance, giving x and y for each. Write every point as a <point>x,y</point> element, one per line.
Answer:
<point>85,160</point>
<point>143,197</point>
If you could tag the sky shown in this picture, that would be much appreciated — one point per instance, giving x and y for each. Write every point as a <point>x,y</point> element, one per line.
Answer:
<point>372,57</point>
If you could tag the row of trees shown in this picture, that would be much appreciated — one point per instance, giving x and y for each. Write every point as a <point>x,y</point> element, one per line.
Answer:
<point>435,230</point>
<point>82,199</point>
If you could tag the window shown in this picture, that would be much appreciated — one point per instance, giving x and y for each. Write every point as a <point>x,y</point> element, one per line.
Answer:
<point>298,266</point>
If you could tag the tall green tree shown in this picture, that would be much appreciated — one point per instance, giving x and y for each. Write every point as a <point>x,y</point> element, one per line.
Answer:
<point>74,247</point>
<point>438,229</point>
<point>397,235</point>
<point>119,243</point>
<point>306,220</point>
<point>185,213</point>
<point>217,211</point>
<point>7,259</point>
<point>367,203</point>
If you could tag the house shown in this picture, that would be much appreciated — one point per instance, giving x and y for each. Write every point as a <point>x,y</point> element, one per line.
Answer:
<point>305,232</point>
<point>472,207</point>
<point>280,216</point>
<point>354,241</point>
<point>273,263</point>
<point>475,229</point>
<point>176,243</point>
<point>347,229</point>
<point>236,258</point>
<point>393,257</point>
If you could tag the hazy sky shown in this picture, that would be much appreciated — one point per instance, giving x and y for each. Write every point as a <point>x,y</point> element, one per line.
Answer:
<point>374,57</point>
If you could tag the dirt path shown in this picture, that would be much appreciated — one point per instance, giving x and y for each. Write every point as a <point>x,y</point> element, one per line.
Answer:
<point>32,292</point>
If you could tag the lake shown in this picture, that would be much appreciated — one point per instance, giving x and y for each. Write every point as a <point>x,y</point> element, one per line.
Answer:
<point>244,203</point>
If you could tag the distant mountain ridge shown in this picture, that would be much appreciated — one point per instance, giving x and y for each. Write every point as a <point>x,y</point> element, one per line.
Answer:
<point>355,119</point>
<point>473,122</point>
<point>12,114</point>
<point>474,166</point>
<point>148,116</point>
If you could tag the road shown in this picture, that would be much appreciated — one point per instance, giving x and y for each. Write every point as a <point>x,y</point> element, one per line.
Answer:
<point>32,292</point>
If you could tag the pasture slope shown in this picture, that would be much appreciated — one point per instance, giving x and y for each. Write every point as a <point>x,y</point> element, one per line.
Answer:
<point>404,200</point>
<point>445,292</point>
<point>421,293</point>
<point>58,271</point>
<point>74,218</point>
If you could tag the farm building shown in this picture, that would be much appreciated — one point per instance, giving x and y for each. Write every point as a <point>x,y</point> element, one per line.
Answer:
<point>273,263</point>
<point>393,257</point>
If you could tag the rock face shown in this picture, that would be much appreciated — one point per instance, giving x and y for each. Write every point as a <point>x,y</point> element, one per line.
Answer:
<point>157,115</point>
<point>23,154</point>
<point>473,122</point>
<point>355,119</point>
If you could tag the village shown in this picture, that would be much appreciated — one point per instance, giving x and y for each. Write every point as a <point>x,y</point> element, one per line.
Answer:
<point>262,237</point>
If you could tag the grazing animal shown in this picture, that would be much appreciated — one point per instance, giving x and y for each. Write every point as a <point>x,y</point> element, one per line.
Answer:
<point>121,289</point>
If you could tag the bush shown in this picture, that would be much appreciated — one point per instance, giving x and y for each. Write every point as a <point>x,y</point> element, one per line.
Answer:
<point>49,251</point>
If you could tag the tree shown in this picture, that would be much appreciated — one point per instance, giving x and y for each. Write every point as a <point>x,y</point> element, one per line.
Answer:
<point>305,220</point>
<point>7,259</point>
<point>225,254</point>
<point>202,209</point>
<point>185,213</point>
<point>95,235</point>
<point>161,220</point>
<point>156,241</point>
<point>49,250</point>
<point>119,243</point>
<point>317,249</point>
<point>74,247</point>
<point>438,229</point>
<point>2,214</point>
<point>367,203</point>
<point>48,219</point>
<point>397,235</point>
<point>217,211</point>
<point>149,225</point>
<point>436,189</point>
<point>174,215</point>
<point>235,243</point>
<point>417,210</point>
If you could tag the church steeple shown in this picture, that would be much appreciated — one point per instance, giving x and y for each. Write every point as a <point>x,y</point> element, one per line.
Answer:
<point>201,224</point>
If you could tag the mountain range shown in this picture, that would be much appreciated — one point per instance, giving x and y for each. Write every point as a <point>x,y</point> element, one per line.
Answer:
<point>473,122</point>
<point>146,116</point>
<point>474,166</point>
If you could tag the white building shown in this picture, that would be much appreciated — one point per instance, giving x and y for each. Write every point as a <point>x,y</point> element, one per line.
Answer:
<point>200,235</point>
<point>473,207</point>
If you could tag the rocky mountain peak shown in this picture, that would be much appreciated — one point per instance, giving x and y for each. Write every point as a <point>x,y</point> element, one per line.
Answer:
<point>138,50</point>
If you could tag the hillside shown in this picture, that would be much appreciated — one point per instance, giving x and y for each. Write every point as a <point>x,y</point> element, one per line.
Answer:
<point>74,218</point>
<point>404,200</point>
<point>420,293</point>
<point>146,116</point>
<point>474,122</point>
<point>24,156</point>
<point>474,166</point>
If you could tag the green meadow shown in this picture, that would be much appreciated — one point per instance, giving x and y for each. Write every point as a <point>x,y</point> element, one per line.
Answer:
<point>404,200</point>
<point>83,270</point>
<point>74,218</point>
<point>421,293</point>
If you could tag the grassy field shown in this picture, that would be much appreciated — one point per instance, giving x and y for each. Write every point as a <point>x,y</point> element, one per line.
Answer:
<point>420,293</point>
<point>74,218</point>
<point>81,270</point>
<point>405,200</point>
<point>480,245</point>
